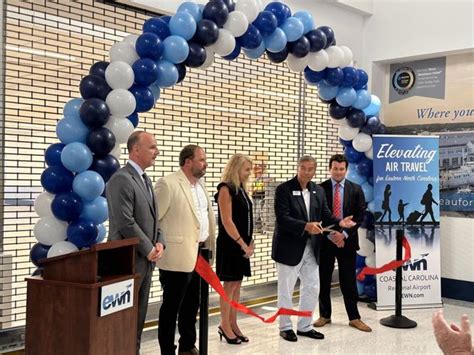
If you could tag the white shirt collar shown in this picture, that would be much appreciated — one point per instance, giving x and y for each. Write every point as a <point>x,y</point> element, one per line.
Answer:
<point>136,167</point>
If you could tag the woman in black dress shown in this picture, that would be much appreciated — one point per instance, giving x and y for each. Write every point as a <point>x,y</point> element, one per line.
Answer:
<point>234,241</point>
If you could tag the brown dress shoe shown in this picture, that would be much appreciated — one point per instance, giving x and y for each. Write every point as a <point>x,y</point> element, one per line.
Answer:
<point>358,324</point>
<point>321,322</point>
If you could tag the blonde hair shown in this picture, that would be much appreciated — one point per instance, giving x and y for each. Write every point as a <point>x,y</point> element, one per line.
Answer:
<point>232,169</point>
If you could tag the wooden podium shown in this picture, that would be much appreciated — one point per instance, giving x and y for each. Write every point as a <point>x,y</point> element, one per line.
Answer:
<point>63,307</point>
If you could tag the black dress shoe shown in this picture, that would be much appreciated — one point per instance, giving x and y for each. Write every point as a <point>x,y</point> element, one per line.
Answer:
<point>311,334</point>
<point>289,335</point>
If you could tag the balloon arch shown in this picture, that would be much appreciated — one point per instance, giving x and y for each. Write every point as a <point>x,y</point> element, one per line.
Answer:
<point>72,210</point>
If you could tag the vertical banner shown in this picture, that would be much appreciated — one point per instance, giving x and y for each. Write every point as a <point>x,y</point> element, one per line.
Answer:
<point>406,188</point>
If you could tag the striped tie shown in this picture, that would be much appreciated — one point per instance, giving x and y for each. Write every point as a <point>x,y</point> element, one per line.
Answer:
<point>337,206</point>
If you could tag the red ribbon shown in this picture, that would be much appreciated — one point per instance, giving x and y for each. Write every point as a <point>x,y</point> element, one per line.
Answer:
<point>205,271</point>
<point>392,265</point>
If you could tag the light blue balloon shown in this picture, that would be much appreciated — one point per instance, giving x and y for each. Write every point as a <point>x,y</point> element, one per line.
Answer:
<point>255,53</point>
<point>326,91</point>
<point>306,19</point>
<point>354,176</point>
<point>293,28</point>
<point>346,97</point>
<point>95,210</point>
<point>71,129</point>
<point>176,49</point>
<point>371,206</point>
<point>360,287</point>
<point>167,74</point>
<point>102,233</point>
<point>276,41</point>
<point>71,108</point>
<point>155,89</point>
<point>368,191</point>
<point>76,157</point>
<point>192,8</point>
<point>88,185</point>
<point>374,108</point>
<point>183,24</point>
<point>362,100</point>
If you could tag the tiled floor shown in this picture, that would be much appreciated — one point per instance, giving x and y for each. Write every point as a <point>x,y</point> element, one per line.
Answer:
<point>340,338</point>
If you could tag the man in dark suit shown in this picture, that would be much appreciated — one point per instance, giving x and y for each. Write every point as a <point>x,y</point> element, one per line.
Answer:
<point>345,198</point>
<point>301,210</point>
<point>133,212</point>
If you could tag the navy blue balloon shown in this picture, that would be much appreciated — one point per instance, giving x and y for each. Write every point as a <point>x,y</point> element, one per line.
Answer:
<point>372,125</point>
<point>99,69</point>
<point>368,221</point>
<point>157,26</point>
<point>105,166</point>
<point>330,39</point>
<point>356,118</point>
<point>337,111</point>
<point>364,87</point>
<point>230,5</point>
<point>146,71</point>
<point>266,22</point>
<point>345,143</point>
<point>352,155</point>
<point>370,180</point>
<point>300,47</point>
<point>382,129</point>
<point>57,179</point>
<point>217,11</point>
<point>94,112</point>
<point>82,233</point>
<point>365,167</point>
<point>251,39</point>
<point>144,98</point>
<point>370,289</point>
<point>94,86</point>
<point>328,101</point>
<point>67,206</point>
<point>101,141</point>
<point>52,155</point>
<point>37,252</point>
<point>317,40</point>
<point>181,73</point>
<point>207,32</point>
<point>280,10</point>
<point>278,57</point>
<point>235,53</point>
<point>362,81</point>
<point>149,45</point>
<point>134,119</point>
<point>165,18</point>
<point>312,76</point>
<point>197,55</point>
<point>351,77</point>
<point>334,76</point>
<point>360,261</point>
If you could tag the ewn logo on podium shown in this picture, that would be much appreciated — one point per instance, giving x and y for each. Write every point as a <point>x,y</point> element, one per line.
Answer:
<point>116,297</point>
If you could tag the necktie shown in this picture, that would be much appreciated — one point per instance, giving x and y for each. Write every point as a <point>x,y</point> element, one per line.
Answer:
<point>337,205</point>
<point>148,184</point>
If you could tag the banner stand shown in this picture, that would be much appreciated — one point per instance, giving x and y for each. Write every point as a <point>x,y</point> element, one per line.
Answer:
<point>398,320</point>
<point>204,309</point>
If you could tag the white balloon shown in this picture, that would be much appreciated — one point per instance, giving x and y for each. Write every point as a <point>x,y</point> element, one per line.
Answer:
<point>49,230</point>
<point>347,132</point>
<point>249,7</point>
<point>296,64</point>
<point>131,39</point>
<point>123,52</point>
<point>348,56</point>
<point>121,102</point>
<point>370,260</point>
<point>336,56</point>
<point>366,248</point>
<point>225,43</point>
<point>369,153</point>
<point>61,248</point>
<point>362,142</point>
<point>121,127</point>
<point>119,75</point>
<point>318,61</point>
<point>43,204</point>
<point>209,58</point>
<point>237,23</point>
<point>117,151</point>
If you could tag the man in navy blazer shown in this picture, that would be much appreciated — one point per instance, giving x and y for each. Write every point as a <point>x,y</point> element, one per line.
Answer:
<point>301,211</point>
<point>344,198</point>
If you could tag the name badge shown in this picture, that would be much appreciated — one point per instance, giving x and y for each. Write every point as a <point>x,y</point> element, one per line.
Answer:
<point>296,193</point>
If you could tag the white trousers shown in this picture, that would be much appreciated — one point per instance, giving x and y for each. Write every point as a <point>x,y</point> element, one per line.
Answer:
<point>308,272</point>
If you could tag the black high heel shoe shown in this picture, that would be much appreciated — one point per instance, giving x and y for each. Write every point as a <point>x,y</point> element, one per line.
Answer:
<point>242,338</point>
<point>221,333</point>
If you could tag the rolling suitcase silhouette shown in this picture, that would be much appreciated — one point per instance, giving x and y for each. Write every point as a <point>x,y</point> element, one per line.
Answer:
<point>413,217</point>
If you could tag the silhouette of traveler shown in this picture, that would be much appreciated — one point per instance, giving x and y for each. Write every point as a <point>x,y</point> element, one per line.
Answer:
<point>401,210</point>
<point>386,204</point>
<point>427,201</point>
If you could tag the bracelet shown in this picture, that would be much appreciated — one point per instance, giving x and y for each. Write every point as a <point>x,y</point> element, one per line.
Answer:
<point>238,238</point>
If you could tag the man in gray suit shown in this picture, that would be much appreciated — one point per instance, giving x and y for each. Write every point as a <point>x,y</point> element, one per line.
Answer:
<point>133,212</point>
